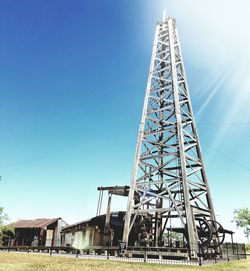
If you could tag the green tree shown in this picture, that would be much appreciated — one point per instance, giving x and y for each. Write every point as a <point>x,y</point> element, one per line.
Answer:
<point>172,237</point>
<point>242,220</point>
<point>6,231</point>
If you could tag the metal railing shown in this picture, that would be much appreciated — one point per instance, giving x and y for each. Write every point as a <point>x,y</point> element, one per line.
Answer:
<point>160,255</point>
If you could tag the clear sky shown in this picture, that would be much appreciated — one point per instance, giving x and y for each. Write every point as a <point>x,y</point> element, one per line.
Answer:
<point>72,83</point>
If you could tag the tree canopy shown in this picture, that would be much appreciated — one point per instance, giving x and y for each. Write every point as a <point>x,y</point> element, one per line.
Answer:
<point>242,220</point>
<point>3,217</point>
<point>6,231</point>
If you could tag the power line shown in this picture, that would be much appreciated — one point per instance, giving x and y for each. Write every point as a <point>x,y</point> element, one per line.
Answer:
<point>209,146</point>
<point>25,161</point>
<point>226,156</point>
<point>224,124</point>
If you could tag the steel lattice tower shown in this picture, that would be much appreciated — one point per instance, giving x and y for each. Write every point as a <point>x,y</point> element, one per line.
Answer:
<point>168,179</point>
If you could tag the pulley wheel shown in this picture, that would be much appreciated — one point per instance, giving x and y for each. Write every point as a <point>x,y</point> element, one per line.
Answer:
<point>204,231</point>
<point>218,233</point>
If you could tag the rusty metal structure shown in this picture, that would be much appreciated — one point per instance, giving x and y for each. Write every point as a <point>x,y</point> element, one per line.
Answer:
<point>169,189</point>
<point>112,190</point>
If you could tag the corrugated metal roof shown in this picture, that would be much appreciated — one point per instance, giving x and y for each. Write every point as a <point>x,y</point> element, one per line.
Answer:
<point>35,223</point>
<point>89,220</point>
<point>76,224</point>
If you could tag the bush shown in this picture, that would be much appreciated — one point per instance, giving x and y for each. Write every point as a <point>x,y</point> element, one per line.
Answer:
<point>6,233</point>
<point>248,247</point>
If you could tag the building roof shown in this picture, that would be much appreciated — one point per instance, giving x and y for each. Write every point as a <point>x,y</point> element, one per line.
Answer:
<point>76,224</point>
<point>89,220</point>
<point>35,223</point>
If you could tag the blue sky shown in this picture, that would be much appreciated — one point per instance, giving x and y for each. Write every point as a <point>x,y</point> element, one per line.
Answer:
<point>72,81</point>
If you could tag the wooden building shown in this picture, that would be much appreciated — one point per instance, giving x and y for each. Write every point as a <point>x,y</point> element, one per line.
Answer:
<point>94,232</point>
<point>38,232</point>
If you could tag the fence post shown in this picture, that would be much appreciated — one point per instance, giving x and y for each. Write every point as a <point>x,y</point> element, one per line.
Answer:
<point>227,252</point>
<point>145,254</point>
<point>200,255</point>
<point>108,253</point>
<point>9,245</point>
<point>237,251</point>
<point>245,252</point>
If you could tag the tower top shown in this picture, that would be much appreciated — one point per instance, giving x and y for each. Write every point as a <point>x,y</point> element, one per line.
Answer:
<point>166,18</point>
<point>164,15</point>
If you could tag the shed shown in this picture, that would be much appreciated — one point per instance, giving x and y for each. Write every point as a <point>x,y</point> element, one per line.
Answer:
<point>38,232</point>
<point>92,232</point>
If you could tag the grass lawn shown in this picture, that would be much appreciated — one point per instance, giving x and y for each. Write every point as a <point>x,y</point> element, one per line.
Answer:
<point>11,261</point>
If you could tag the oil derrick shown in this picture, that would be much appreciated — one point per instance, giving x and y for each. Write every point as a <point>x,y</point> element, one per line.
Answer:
<point>169,186</point>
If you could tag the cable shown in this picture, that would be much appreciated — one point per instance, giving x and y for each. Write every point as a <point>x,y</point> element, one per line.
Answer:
<point>226,156</point>
<point>224,124</point>
<point>25,161</point>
